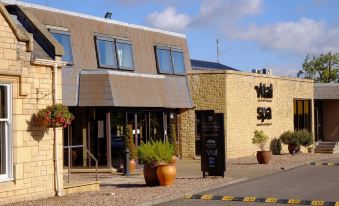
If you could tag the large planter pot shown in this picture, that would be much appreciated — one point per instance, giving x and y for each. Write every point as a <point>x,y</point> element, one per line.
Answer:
<point>293,149</point>
<point>131,165</point>
<point>150,175</point>
<point>166,174</point>
<point>264,157</point>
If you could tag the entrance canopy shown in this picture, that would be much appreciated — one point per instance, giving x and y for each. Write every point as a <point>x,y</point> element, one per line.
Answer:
<point>326,91</point>
<point>122,89</point>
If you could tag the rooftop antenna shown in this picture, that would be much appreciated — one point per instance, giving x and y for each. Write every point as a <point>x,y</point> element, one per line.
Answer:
<point>217,40</point>
<point>108,15</point>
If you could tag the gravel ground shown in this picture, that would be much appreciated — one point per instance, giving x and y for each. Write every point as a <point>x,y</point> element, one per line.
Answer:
<point>127,194</point>
<point>119,190</point>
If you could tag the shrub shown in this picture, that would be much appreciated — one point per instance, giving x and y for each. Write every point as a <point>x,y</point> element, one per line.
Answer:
<point>164,151</point>
<point>298,137</point>
<point>260,139</point>
<point>129,142</point>
<point>146,153</point>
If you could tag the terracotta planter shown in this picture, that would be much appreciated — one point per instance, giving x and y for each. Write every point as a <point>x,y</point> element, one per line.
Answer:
<point>293,149</point>
<point>42,122</point>
<point>174,160</point>
<point>264,157</point>
<point>150,175</point>
<point>131,165</point>
<point>166,174</point>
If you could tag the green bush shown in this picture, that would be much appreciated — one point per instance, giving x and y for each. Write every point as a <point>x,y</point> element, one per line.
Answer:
<point>146,153</point>
<point>129,142</point>
<point>260,139</point>
<point>164,151</point>
<point>298,138</point>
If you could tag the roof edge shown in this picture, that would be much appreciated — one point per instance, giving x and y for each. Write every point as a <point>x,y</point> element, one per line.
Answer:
<point>43,35</point>
<point>19,33</point>
<point>35,6</point>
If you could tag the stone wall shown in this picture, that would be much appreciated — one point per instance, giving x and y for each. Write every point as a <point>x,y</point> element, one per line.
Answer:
<point>233,93</point>
<point>32,145</point>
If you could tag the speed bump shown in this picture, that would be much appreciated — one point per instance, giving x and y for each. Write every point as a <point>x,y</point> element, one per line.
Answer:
<point>249,199</point>
<point>323,164</point>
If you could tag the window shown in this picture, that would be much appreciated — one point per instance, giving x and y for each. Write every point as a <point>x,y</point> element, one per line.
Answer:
<point>114,53</point>
<point>302,114</point>
<point>5,128</point>
<point>64,38</point>
<point>125,55</point>
<point>170,60</point>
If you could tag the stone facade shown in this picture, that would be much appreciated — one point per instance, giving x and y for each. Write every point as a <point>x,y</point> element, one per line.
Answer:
<point>32,145</point>
<point>233,93</point>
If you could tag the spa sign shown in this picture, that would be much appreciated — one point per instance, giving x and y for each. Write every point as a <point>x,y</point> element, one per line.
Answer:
<point>264,94</point>
<point>213,146</point>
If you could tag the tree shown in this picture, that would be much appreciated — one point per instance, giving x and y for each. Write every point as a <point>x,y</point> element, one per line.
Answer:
<point>323,69</point>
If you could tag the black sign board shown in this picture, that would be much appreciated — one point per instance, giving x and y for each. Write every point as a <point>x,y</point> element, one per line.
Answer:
<point>212,144</point>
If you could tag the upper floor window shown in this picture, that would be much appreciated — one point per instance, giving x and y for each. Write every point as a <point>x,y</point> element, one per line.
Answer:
<point>114,53</point>
<point>5,128</point>
<point>64,38</point>
<point>170,60</point>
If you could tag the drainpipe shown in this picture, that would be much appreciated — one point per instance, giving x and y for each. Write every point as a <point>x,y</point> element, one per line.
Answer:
<point>54,64</point>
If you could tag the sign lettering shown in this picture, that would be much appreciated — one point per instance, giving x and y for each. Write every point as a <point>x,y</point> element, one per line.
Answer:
<point>264,113</point>
<point>263,91</point>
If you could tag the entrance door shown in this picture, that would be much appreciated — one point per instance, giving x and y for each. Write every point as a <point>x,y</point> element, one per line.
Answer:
<point>318,120</point>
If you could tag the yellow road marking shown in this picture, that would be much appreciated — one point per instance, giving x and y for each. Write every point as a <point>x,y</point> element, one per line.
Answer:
<point>293,201</point>
<point>188,196</point>
<point>317,202</point>
<point>337,203</point>
<point>206,197</point>
<point>249,199</point>
<point>227,198</point>
<point>271,200</point>
<point>330,164</point>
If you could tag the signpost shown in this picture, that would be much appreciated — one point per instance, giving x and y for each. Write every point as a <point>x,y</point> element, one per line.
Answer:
<point>213,144</point>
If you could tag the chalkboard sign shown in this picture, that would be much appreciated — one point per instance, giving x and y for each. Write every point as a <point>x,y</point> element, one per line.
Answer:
<point>212,144</point>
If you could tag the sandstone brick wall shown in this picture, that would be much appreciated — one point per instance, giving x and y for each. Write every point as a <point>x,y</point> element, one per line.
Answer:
<point>33,157</point>
<point>233,93</point>
<point>331,120</point>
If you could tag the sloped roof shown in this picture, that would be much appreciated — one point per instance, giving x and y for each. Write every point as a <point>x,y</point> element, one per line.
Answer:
<point>199,64</point>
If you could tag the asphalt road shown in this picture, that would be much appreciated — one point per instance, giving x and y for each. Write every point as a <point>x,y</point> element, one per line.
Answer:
<point>304,183</point>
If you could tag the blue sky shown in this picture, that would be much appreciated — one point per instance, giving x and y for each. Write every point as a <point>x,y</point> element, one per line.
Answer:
<point>275,34</point>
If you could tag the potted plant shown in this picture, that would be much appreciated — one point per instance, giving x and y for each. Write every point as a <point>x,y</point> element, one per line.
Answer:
<point>56,115</point>
<point>260,139</point>
<point>129,143</point>
<point>296,139</point>
<point>146,154</point>
<point>166,171</point>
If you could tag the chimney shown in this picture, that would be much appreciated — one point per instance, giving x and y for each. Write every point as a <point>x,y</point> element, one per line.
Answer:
<point>108,15</point>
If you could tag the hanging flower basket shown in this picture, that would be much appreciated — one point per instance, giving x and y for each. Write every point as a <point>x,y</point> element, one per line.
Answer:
<point>56,115</point>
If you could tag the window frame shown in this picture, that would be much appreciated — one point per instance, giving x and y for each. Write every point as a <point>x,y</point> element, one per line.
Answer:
<point>114,40</point>
<point>66,33</point>
<point>182,52</point>
<point>171,50</point>
<point>121,41</point>
<point>101,38</point>
<point>8,136</point>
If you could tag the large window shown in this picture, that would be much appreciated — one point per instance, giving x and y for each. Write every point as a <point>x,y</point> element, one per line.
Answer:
<point>302,114</point>
<point>64,38</point>
<point>5,128</point>
<point>170,60</point>
<point>114,53</point>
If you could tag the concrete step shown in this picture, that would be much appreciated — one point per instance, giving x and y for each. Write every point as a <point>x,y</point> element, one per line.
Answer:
<point>327,143</point>
<point>326,146</point>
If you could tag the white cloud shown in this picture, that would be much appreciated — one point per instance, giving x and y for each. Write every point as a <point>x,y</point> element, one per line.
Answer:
<point>169,19</point>
<point>302,36</point>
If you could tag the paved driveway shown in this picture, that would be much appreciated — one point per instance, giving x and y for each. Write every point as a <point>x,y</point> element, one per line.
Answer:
<point>304,183</point>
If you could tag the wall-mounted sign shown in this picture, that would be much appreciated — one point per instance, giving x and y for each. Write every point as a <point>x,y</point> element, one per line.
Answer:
<point>264,113</point>
<point>264,91</point>
<point>213,146</point>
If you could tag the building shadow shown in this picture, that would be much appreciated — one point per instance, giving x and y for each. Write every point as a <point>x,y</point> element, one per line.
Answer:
<point>36,130</point>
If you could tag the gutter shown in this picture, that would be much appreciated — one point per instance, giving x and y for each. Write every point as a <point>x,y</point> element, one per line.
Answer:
<point>53,64</point>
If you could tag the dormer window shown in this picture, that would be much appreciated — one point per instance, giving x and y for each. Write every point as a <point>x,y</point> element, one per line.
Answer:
<point>114,53</point>
<point>64,38</point>
<point>170,60</point>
